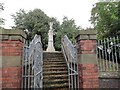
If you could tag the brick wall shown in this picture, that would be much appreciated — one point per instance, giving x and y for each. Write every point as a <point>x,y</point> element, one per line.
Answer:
<point>110,83</point>
<point>11,77</point>
<point>11,74</point>
<point>88,76</point>
<point>109,79</point>
<point>88,70</point>
<point>11,48</point>
<point>0,78</point>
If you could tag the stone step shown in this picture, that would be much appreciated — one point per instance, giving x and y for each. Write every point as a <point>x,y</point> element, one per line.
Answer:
<point>55,81</point>
<point>55,69</point>
<point>52,77</point>
<point>64,79</point>
<point>47,65</point>
<point>47,54</point>
<point>54,59</point>
<point>57,86</point>
<point>54,65</point>
<point>60,84</point>
<point>55,72</point>
<point>44,63</point>
<point>52,53</point>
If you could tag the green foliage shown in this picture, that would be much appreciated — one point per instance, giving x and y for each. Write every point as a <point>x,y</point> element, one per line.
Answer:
<point>68,28</point>
<point>35,21</point>
<point>105,18</point>
<point>1,6</point>
<point>19,19</point>
<point>1,19</point>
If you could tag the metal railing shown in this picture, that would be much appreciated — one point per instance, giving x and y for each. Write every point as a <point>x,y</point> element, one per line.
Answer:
<point>70,54</point>
<point>108,52</point>
<point>32,65</point>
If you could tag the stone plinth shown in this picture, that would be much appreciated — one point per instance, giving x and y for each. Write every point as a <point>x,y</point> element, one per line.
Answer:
<point>50,47</point>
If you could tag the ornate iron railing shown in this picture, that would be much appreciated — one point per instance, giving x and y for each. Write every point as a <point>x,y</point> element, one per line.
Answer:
<point>70,54</point>
<point>32,65</point>
<point>108,52</point>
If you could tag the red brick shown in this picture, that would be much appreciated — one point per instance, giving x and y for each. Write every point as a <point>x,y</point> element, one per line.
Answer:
<point>88,75</point>
<point>87,52</point>
<point>86,46</point>
<point>11,54</point>
<point>88,65</point>
<point>11,48</point>
<point>11,77</point>
<point>87,86</point>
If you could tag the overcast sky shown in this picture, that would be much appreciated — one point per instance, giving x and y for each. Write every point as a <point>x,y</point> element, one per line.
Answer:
<point>76,9</point>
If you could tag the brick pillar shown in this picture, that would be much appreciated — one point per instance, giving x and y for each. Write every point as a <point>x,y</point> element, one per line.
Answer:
<point>11,47</point>
<point>0,75</point>
<point>88,70</point>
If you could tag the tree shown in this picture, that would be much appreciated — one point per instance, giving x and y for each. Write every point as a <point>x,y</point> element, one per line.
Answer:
<point>35,21</point>
<point>69,28</point>
<point>1,9</point>
<point>19,19</point>
<point>105,18</point>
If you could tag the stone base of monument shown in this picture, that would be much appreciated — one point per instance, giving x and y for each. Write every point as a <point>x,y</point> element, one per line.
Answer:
<point>50,49</point>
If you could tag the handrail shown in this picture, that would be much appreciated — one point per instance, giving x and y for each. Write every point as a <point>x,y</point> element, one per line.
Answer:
<point>70,54</point>
<point>32,64</point>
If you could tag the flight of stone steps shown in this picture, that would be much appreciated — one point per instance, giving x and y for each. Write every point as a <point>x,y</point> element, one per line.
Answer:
<point>55,72</point>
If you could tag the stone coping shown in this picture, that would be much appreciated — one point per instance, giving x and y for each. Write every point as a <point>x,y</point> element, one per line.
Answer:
<point>86,34</point>
<point>92,32</point>
<point>12,32</point>
<point>114,74</point>
<point>9,34</point>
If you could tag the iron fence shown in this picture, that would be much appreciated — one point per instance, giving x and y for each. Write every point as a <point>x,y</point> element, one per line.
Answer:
<point>108,52</point>
<point>70,54</point>
<point>32,65</point>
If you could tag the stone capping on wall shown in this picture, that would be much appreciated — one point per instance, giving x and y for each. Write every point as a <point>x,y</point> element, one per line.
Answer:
<point>87,35</point>
<point>9,34</point>
<point>108,75</point>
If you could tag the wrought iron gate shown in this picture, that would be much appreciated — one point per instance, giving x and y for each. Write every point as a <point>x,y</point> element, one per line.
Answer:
<point>70,54</point>
<point>32,65</point>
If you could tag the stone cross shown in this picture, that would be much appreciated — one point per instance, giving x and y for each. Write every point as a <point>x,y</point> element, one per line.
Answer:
<point>50,47</point>
<point>51,24</point>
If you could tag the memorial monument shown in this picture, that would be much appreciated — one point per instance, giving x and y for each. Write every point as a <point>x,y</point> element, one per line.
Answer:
<point>50,47</point>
